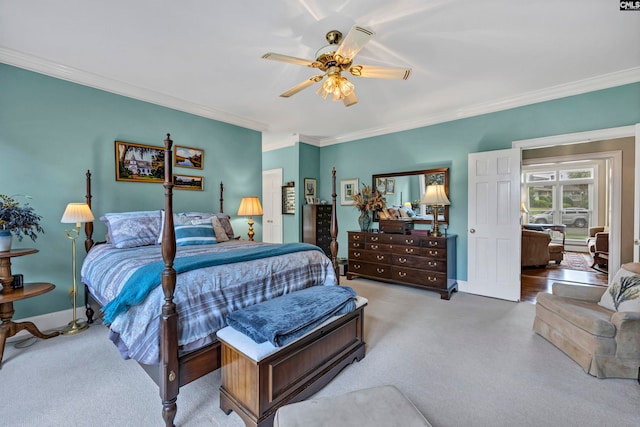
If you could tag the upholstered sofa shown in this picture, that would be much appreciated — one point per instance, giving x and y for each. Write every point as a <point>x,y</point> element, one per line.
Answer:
<point>534,248</point>
<point>604,342</point>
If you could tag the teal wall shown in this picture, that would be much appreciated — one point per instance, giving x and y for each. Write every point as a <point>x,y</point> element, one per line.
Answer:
<point>448,144</point>
<point>52,131</point>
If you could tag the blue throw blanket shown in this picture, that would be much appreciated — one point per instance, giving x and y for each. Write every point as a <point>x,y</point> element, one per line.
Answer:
<point>281,320</point>
<point>148,277</point>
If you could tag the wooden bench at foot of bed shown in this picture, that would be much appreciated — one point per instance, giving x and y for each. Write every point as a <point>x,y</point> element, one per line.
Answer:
<point>255,385</point>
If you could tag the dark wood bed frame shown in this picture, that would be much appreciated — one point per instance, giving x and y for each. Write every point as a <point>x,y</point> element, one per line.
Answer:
<point>177,370</point>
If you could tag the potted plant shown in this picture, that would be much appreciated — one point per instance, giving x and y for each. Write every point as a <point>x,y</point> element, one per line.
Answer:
<point>17,220</point>
<point>368,200</point>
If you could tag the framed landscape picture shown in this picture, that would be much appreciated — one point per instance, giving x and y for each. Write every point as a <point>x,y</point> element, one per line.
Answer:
<point>188,182</point>
<point>348,187</point>
<point>139,163</point>
<point>187,157</point>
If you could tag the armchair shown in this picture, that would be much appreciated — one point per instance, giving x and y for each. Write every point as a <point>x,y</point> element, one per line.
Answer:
<point>605,343</point>
<point>534,248</point>
<point>598,244</point>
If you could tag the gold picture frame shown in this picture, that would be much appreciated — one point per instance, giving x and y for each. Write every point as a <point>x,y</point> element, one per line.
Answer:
<point>139,162</point>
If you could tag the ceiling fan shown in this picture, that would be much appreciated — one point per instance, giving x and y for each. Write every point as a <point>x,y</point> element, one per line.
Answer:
<point>335,58</point>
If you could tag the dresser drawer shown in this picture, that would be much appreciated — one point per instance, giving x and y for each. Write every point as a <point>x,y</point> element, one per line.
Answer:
<point>406,250</point>
<point>382,247</point>
<point>402,260</point>
<point>419,277</point>
<point>379,238</point>
<point>371,256</point>
<point>435,264</point>
<point>354,244</point>
<point>434,243</point>
<point>369,269</point>
<point>434,253</point>
<point>356,237</point>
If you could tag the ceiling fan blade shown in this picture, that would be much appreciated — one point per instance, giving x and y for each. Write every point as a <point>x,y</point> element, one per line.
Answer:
<point>291,59</point>
<point>352,43</point>
<point>350,99</point>
<point>373,71</point>
<point>305,84</point>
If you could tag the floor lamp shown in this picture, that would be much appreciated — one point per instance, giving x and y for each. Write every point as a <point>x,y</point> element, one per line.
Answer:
<point>78,213</point>
<point>250,206</point>
<point>435,195</point>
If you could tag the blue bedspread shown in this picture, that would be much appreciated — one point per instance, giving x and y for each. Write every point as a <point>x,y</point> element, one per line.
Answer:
<point>283,319</point>
<point>148,277</point>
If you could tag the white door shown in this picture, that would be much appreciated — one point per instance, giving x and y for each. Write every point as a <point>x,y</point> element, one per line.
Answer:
<point>494,224</point>
<point>271,206</point>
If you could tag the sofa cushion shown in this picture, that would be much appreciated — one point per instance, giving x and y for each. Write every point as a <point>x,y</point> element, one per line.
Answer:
<point>623,294</point>
<point>586,315</point>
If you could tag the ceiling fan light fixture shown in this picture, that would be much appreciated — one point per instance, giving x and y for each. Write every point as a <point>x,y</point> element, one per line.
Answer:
<point>336,86</point>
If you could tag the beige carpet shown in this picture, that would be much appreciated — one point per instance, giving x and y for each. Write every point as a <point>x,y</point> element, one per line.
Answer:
<point>471,361</point>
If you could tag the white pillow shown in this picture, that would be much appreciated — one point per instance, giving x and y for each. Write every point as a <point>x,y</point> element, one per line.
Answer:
<point>623,294</point>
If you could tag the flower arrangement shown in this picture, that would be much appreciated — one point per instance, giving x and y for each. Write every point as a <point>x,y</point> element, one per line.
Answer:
<point>20,220</point>
<point>369,200</point>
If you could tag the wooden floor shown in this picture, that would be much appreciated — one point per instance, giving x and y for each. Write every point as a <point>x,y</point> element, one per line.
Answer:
<point>534,280</point>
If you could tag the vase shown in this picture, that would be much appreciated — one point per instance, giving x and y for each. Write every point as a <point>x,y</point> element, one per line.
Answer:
<point>364,220</point>
<point>5,240</point>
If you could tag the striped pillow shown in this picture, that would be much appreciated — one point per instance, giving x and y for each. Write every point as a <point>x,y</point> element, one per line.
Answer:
<point>195,234</point>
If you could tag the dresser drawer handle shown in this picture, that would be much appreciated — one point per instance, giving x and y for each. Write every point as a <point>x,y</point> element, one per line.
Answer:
<point>357,254</point>
<point>408,250</point>
<point>374,246</point>
<point>402,274</point>
<point>380,257</point>
<point>402,260</point>
<point>374,238</point>
<point>356,266</point>
<point>433,253</point>
<point>408,241</point>
<point>380,270</point>
<point>356,245</point>
<point>432,264</point>
<point>356,237</point>
<point>432,279</point>
<point>432,243</point>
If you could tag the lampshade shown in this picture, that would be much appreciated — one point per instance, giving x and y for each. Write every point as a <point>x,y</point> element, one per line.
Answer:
<point>523,208</point>
<point>77,212</point>
<point>250,206</point>
<point>336,85</point>
<point>407,205</point>
<point>435,195</point>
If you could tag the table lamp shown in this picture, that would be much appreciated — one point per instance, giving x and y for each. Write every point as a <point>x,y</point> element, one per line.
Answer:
<point>75,213</point>
<point>435,195</point>
<point>250,206</point>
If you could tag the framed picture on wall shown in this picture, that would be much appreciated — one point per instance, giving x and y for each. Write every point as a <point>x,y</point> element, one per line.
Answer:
<point>187,157</point>
<point>348,187</point>
<point>188,182</point>
<point>288,200</point>
<point>310,187</point>
<point>139,163</point>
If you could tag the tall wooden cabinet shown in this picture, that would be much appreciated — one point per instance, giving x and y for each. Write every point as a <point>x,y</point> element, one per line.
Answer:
<point>316,226</point>
<point>416,260</point>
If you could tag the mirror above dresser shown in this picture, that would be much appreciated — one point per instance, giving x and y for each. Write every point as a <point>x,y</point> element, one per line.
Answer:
<point>406,190</point>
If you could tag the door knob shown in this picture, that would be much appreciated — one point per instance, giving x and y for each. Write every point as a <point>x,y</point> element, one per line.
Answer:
<point>473,230</point>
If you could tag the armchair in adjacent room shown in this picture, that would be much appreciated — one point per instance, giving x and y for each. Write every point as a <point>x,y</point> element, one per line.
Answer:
<point>534,248</point>
<point>598,244</point>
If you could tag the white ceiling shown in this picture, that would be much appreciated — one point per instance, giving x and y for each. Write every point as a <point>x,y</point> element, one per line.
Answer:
<point>204,56</point>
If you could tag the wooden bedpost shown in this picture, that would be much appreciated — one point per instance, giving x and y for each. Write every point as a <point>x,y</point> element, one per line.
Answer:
<point>334,226</point>
<point>88,226</point>
<point>221,197</point>
<point>168,376</point>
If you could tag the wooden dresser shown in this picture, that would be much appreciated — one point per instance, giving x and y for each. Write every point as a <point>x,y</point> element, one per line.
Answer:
<point>316,226</point>
<point>415,260</point>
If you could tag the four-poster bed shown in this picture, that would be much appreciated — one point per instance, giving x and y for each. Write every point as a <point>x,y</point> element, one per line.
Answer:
<point>177,364</point>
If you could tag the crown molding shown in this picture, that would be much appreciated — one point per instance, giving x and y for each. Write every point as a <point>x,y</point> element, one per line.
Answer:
<point>74,75</point>
<point>43,66</point>
<point>618,78</point>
